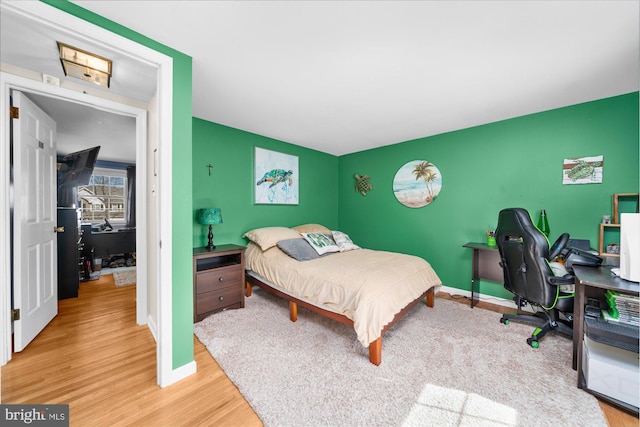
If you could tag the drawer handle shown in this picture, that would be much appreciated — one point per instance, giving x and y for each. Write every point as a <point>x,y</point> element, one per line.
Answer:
<point>221,298</point>
<point>220,279</point>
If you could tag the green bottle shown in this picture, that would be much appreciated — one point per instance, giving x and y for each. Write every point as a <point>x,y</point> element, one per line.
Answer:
<point>543,224</point>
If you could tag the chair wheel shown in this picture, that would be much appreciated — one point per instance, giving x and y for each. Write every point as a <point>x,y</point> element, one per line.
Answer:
<point>503,320</point>
<point>533,343</point>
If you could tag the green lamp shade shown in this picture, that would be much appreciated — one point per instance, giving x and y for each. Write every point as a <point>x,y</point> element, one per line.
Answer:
<point>210,216</point>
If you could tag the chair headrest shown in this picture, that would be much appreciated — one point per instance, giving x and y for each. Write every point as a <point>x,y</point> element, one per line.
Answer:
<point>516,222</point>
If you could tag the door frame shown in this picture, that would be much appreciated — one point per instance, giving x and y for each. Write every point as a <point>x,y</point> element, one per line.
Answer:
<point>47,15</point>
<point>27,87</point>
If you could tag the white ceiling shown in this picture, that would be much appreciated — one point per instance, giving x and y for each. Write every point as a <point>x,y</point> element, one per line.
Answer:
<point>80,127</point>
<point>32,46</point>
<point>342,77</point>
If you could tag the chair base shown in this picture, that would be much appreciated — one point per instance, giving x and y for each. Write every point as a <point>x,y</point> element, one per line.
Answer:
<point>546,322</point>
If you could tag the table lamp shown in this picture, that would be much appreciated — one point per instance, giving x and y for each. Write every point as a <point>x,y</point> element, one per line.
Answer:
<point>210,216</point>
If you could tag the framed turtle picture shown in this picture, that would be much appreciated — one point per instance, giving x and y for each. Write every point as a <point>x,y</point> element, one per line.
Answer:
<point>276,178</point>
<point>583,170</point>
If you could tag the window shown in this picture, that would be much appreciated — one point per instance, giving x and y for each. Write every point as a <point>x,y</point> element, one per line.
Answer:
<point>104,197</point>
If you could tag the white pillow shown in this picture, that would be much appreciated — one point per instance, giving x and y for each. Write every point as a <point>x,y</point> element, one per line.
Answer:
<point>268,237</point>
<point>312,228</point>
<point>322,243</point>
<point>343,241</point>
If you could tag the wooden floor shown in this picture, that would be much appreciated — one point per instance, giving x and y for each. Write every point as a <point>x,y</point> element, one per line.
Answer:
<point>95,358</point>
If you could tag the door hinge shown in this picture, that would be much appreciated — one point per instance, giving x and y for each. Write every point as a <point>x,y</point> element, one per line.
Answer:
<point>15,314</point>
<point>14,112</point>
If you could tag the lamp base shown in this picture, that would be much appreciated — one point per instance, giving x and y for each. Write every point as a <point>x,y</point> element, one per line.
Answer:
<point>210,246</point>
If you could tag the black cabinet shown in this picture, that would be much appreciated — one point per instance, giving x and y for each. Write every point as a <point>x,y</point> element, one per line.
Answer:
<point>68,260</point>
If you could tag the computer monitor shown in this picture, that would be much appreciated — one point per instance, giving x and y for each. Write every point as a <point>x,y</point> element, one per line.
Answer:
<point>76,168</point>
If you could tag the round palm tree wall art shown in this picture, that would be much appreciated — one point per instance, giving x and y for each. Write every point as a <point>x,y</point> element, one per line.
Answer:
<point>417,183</point>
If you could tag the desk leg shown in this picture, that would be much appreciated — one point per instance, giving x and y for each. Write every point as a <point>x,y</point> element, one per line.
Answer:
<point>474,276</point>
<point>578,329</point>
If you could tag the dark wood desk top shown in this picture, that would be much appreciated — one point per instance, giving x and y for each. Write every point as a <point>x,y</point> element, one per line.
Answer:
<point>602,277</point>
<point>481,246</point>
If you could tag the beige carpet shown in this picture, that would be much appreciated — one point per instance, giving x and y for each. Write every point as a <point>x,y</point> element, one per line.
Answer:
<point>125,278</point>
<point>445,366</point>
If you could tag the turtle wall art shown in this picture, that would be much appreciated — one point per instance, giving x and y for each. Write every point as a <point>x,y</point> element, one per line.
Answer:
<point>583,170</point>
<point>275,178</point>
<point>362,184</point>
<point>417,183</point>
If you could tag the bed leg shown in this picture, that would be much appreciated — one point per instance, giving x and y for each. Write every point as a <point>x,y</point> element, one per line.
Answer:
<point>430,298</point>
<point>375,352</point>
<point>248,289</point>
<point>293,311</point>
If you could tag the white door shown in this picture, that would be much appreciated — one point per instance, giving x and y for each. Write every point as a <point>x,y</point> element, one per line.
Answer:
<point>35,255</point>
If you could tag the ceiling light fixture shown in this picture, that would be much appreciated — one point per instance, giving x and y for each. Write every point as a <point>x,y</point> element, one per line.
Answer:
<point>84,65</point>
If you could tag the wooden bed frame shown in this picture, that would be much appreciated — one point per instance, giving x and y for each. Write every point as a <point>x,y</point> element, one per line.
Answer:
<point>375,348</point>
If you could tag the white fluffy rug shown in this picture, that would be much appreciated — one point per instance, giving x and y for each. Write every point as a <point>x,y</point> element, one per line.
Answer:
<point>444,366</point>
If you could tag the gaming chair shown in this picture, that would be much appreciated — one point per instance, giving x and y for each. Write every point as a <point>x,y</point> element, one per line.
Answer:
<point>524,257</point>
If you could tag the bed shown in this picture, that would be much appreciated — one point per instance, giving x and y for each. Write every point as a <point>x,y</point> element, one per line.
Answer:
<point>325,272</point>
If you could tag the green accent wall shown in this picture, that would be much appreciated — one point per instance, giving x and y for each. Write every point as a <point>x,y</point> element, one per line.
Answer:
<point>511,163</point>
<point>182,276</point>
<point>230,185</point>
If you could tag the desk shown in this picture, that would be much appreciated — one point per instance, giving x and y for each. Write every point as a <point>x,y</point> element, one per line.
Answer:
<point>485,265</point>
<point>108,243</point>
<point>592,281</point>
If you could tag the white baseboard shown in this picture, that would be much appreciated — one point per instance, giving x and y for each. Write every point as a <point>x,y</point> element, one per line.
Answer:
<point>181,373</point>
<point>485,298</point>
<point>153,328</point>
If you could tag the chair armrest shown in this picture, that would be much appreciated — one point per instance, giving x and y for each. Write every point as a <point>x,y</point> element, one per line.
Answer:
<point>567,279</point>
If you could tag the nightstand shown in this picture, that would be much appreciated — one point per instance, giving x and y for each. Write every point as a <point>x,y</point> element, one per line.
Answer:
<point>218,279</point>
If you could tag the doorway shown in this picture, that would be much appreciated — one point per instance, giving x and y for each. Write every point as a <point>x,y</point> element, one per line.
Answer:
<point>141,206</point>
<point>159,116</point>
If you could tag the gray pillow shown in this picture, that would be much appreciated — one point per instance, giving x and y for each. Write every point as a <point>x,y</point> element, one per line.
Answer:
<point>298,249</point>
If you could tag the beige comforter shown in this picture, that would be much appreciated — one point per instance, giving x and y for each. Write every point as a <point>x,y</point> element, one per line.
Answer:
<point>368,287</point>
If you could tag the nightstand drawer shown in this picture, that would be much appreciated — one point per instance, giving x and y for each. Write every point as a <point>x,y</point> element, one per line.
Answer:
<point>225,297</point>
<point>218,278</point>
